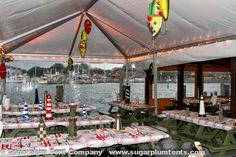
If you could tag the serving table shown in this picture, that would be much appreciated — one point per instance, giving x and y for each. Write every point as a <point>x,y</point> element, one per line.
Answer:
<point>214,132</point>
<point>16,125</point>
<point>59,144</point>
<point>133,112</point>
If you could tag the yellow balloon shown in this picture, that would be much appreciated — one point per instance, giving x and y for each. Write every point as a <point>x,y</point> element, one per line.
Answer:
<point>154,23</point>
<point>84,35</point>
<point>164,4</point>
<point>11,58</point>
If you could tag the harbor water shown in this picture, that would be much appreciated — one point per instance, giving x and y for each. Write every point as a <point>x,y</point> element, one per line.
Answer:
<point>96,94</point>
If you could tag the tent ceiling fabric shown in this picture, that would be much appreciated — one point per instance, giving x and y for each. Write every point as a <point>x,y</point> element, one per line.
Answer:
<point>124,21</point>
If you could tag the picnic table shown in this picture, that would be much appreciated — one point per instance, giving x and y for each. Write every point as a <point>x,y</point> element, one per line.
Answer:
<point>16,125</point>
<point>214,132</point>
<point>132,112</point>
<point>60,109</point>
<point>59,143</point>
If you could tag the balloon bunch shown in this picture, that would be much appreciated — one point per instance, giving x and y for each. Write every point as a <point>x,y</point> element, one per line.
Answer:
<point>4,59</point>
<point>84,37</point>
<point>157,10</point>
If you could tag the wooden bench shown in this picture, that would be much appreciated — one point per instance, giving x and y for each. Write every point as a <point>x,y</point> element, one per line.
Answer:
<point>213,147</point>
<point>111,114</point>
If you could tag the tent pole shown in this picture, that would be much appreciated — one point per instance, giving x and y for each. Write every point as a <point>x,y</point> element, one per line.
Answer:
<point>126,71</point>
<point>76,34</point>
<point>155,76</point>
<point>70,85</point>
<point>3,84</point>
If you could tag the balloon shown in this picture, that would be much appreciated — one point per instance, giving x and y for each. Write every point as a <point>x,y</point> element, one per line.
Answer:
<point>9,59</point>
<point>154,17</point>
<point>83,48</point>
<point>84,35</point>
<point>154,8</point>
<point>164,4</point>
<point>87,26</point>
<point>154,23</point>
<point>70,64</point>
<point>3,71</point>
<point>2,51</point>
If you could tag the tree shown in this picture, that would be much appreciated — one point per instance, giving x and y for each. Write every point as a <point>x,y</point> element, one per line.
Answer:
<point>84,68</point>
<point>59,68</point>
<point>97,71</point>
<point>35,71</point>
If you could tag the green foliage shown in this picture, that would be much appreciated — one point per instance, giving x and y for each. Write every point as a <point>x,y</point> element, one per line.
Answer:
<point>97,71</point>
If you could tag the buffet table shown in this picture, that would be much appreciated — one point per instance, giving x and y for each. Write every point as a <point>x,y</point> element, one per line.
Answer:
<point>214,132</point>
<point>59,144</point>
<point>17,125</point>
<point>133,112</point>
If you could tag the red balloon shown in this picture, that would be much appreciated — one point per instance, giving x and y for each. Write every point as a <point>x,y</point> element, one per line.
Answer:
<point>3,71</point>
<point>87,26</point>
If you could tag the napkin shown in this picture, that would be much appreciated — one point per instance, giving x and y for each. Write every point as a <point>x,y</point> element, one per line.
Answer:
<point>114,96</point>
<point>1,128</point>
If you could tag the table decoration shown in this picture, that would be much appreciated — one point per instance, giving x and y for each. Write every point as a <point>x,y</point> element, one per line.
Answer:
<point>84,111</point>
<point>114,96</point>
<point>3,100</point>
<point>41,107</point>
<point>25,111</point>
<point>7,104</point>
<point>48,107</point>
<point>1,112</point>
<point>42,134</point>
<point>72,122</point>
<point>202,108</point>
<point>118,124</point>
<point>36,97</point>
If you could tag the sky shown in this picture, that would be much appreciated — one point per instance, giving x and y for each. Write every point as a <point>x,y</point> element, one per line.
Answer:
<point>29,64</point>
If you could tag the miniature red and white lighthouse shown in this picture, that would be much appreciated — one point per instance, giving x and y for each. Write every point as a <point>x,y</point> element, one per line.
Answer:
<point>48,107</point>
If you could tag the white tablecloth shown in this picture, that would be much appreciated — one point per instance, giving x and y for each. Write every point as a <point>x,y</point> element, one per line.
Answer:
<point>16,111</point>
<point>87,138</point>
<point>130,106</point>
<point>17,123</point>
<point>209,121</point>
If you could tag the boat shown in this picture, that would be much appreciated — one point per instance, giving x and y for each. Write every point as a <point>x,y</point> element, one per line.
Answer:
<point>43,80</point>
<point>16,79</point>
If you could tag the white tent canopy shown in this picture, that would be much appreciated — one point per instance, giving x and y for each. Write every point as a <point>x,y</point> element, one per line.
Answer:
<point>44,30</point>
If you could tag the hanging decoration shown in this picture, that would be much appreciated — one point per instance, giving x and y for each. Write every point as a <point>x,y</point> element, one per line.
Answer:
<point>83,43</point>
<point>157,10</point>
<point>87,26</point>
<point>70,64</point>
<point>2,51</point>
<point>4,59</point>
<point>3,72</point>
<point>84,37</point>
<point>9,59</point>
<point>164,4</point>
<point>154,17</point>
